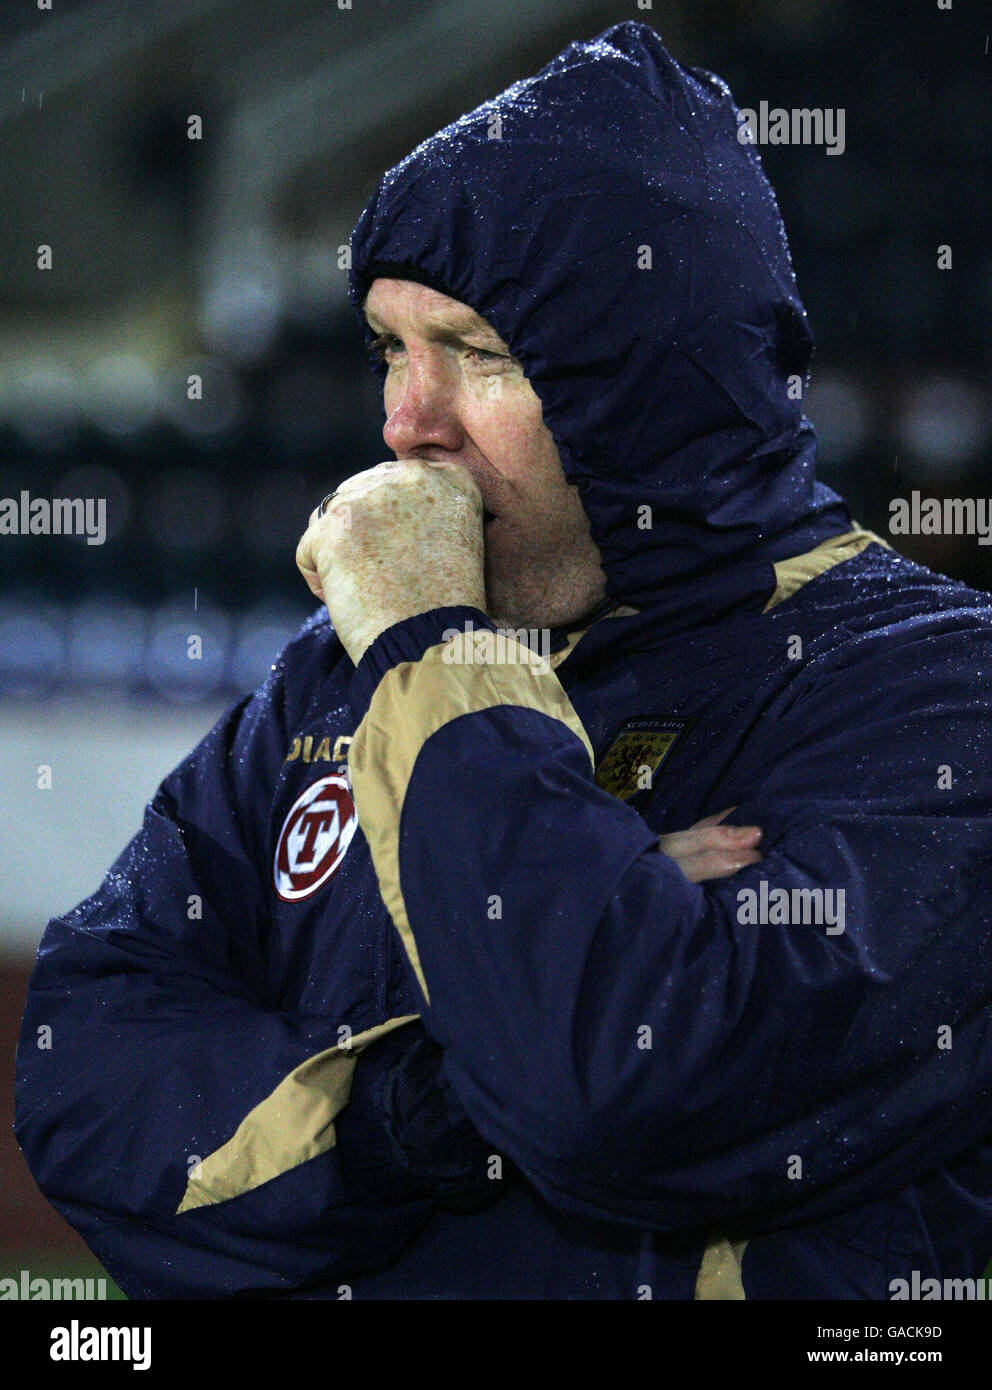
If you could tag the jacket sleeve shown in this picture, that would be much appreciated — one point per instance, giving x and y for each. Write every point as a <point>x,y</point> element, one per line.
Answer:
<point>637,1044</point>
<point>148,1045</point>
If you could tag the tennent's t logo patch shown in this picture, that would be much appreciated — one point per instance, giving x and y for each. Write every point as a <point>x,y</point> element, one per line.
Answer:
<point>314,838</point>
<point>633,759</point>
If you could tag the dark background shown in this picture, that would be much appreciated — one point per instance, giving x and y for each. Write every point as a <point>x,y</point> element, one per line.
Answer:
<point>220,256</point>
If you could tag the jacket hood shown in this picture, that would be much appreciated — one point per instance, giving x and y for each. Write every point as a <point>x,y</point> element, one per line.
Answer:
<point>605,219</point>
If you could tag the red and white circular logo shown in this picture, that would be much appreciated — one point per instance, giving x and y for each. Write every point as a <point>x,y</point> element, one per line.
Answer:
<point>314,838</point>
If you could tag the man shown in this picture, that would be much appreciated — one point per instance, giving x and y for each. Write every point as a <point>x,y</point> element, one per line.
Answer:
<point>628,1078</point>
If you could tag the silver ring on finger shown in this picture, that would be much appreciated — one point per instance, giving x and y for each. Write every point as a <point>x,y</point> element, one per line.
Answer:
<point>322,509</point>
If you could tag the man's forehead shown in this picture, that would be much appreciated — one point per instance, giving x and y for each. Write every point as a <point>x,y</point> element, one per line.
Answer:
<point>426,308</point>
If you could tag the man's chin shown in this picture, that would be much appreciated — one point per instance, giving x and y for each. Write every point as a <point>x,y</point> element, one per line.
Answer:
<point>505,608</point>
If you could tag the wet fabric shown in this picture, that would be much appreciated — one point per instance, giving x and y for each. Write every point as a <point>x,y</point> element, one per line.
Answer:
<point>628,248</point>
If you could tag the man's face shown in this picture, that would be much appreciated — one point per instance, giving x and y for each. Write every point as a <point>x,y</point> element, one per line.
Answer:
<point>454,394</point>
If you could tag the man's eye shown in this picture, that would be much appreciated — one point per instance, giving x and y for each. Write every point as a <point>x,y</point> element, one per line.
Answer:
<point>383,344</point>
<point>486,358</point>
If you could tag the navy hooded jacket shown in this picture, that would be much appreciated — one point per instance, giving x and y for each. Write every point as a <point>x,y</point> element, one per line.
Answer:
<point>777,1084</point>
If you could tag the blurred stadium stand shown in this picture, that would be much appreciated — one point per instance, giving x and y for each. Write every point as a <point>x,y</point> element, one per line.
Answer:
<point>221,257</point>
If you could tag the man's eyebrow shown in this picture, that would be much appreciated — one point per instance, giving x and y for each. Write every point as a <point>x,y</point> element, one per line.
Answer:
<point>450,329</point>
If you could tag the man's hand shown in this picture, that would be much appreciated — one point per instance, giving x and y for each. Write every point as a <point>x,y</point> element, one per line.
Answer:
<point>397,540</point>
<point>709,850</point>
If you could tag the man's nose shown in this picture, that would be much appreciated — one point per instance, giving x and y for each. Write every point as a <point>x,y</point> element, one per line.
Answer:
<point>424,412</point>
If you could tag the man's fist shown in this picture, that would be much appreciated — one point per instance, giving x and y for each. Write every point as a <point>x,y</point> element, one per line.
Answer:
<point>397,540</point>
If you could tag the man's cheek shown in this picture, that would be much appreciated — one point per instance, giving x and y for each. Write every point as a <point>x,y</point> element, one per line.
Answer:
<point>501,550</point>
